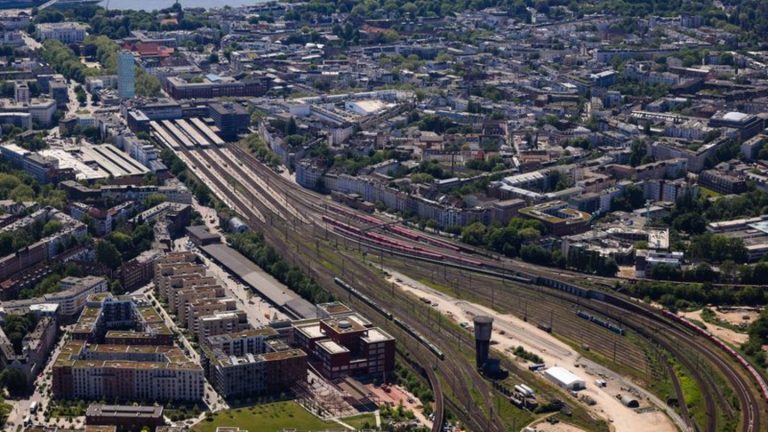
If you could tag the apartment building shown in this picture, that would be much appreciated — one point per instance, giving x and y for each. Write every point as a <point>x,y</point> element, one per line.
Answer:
<point>219,323</point>
<point>173,266</point>
<point>64,32</point>
<point>127,372</point>
<point>252,362</point>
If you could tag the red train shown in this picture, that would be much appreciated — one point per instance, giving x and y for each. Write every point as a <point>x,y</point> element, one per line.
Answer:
<point>393,243</point>
<point>722,345</point>
<point>415,235</point>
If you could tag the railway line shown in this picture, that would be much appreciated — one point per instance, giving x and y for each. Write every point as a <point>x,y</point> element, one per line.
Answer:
<point>361,275</point>
<point>304,211</point>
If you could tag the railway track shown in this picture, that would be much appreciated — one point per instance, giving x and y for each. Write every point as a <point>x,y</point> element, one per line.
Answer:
<point>290,240</point>
<point>680,336</point>
<point>310,206</point>
<point>671,337</point>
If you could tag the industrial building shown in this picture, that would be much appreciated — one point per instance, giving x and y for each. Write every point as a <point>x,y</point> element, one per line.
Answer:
<point>258,280</point>
<point>483,331</point>
<point>564,378</point>
<point>96,162</point>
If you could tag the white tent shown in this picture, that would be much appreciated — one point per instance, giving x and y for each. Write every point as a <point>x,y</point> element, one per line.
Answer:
<point>564,378</point>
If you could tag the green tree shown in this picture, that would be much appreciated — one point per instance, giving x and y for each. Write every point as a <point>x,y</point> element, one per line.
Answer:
<point>108,254</point>
<point>22,193</point>
<point>474,234</point>
<point>14,380</point>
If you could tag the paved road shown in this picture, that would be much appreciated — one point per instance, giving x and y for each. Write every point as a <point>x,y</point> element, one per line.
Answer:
<point>215,403</point>
<point>30,42</point>
<point>21,407</point>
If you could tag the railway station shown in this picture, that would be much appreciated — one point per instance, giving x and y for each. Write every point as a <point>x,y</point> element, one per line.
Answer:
<point>184,134</point>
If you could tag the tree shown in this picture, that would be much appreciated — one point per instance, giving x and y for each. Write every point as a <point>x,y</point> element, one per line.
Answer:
<point>107,254</point>
<point>14,380</point>
<point>422,178</point>
<point>638,153</point>
<point>146,84</point>
<point>22,193</point>
<point>535,254</point>
<point>473,234</point>
<point>51,227</point>
<point>153,200</point>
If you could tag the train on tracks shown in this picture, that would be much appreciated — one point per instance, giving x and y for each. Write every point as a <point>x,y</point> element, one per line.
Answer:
<point>387,314</point>
<point>601,322</point>
<point>725,347</point>
<point>461,262</point>
<point>386,242</point>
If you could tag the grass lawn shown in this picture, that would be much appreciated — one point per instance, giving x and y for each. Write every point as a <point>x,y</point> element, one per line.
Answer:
<point>709,193</point>
<point>5,410</point>
<point>359,421</point>
<point>267,418</point>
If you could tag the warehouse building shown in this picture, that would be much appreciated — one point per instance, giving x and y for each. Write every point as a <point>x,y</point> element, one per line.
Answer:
<point>564,378</point>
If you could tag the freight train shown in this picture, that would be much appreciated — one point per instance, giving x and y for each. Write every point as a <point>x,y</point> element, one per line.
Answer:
<point>601,322</point>
<point>398,322</point>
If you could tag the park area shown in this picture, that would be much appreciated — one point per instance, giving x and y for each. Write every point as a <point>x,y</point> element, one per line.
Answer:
<point>275,417</point>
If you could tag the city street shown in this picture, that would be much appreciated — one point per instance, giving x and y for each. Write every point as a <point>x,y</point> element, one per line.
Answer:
<point>210,397</point>
<point>41,395</point>
<point>258,310</point>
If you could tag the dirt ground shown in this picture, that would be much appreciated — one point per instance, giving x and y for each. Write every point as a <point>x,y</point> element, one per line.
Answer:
<point>395,396</point>
<point>559,427</point>
<point>727,335</point>
<point>510,332</point>
<point>736,316</point>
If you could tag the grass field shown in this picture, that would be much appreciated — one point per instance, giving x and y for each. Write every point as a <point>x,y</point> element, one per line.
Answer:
<point>360,421</point>
<point>268,418</point>
<point>5,411</point>
<point>277,416</point>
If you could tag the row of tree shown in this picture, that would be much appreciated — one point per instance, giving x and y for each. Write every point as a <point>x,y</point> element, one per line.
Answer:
<point>253,246</point>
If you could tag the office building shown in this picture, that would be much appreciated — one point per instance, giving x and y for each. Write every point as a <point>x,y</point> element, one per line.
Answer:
<point>345,344</point>
<point>126,75</point>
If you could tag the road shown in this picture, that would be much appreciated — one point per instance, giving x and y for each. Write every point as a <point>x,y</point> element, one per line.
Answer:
<point>258,310</point>
<point>41,395</point>
<point>215,403</point>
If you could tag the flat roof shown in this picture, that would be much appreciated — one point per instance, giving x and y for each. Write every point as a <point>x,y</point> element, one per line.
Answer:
<point>96,162</point>
<point>378,335</point>
<point>262,282</point>
<point>311,330</point>
<point>332,347</point>
<point>735,116</point>
<point>124,411</point>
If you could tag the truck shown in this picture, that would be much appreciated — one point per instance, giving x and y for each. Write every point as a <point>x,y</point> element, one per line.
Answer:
<point>524,390</point>
<point>33,407</point>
